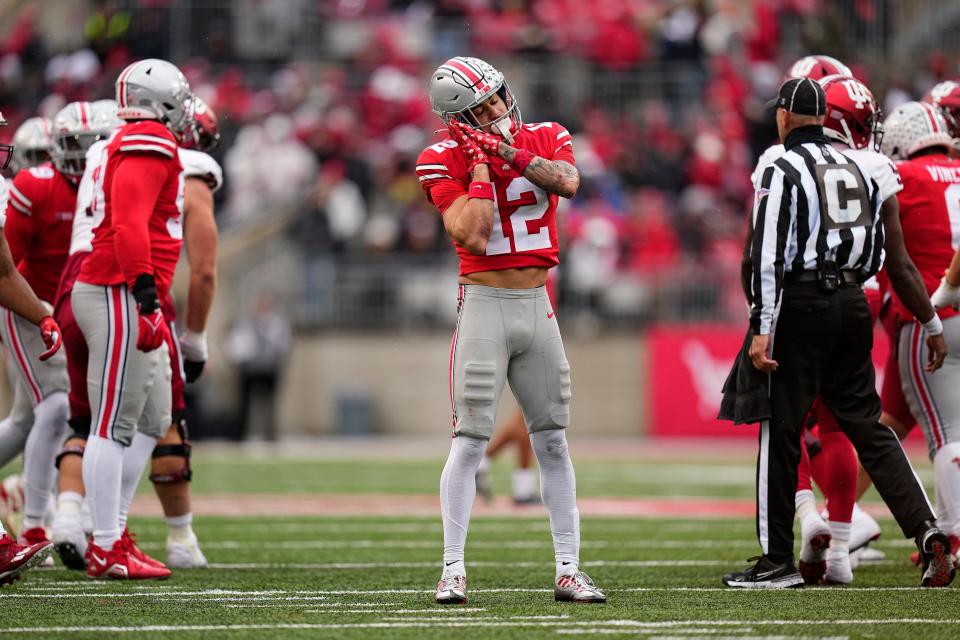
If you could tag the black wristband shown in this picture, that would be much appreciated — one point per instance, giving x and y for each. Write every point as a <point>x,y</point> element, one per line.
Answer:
<point>145,293</point>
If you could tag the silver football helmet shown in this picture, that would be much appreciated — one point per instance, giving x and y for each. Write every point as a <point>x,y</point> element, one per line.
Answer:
<point>462,83</point>
<point>31,143</point>
<point>914,126</point>
<point>75,128</point>
<point>154,89</point>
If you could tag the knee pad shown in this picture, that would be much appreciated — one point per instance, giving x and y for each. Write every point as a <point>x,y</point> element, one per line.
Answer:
<point>550,444</point>
<point>180,449</point>
<point>75,449</point>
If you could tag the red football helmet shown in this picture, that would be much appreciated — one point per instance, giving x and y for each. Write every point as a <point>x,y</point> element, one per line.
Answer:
<point>853,115</point>
<point>946,96</point>
<point>818,67</point>
<point>205,134</point>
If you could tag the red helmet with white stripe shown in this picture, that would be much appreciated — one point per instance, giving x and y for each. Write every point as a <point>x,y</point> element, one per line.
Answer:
<point>853,115</point>
<point>462,83</point>
<point>818,67</point>
<point>946,96</point>
<point>74,129</point>
<point>154,89</point>
<point>912,127</point>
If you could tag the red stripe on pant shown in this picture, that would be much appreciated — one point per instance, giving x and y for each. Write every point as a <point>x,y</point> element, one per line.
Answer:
<point>111,397</point>
<point>916,372</point>
<point>20,353</point>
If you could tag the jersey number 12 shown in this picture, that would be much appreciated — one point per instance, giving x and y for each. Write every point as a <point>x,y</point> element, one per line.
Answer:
<point>520,192</point>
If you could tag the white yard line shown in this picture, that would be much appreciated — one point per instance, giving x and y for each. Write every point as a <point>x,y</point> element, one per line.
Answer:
<point>481,563</point>
<point>482,544</point>
<point>468,622</point>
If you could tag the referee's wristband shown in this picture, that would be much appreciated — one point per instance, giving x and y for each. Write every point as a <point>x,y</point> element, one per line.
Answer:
<point>481,190</point>
<point>933,326</point>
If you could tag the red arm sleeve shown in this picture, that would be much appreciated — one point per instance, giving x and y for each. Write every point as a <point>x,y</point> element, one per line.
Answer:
<point>18,228</point>
<point>136,186</point>
<point>18,232</point>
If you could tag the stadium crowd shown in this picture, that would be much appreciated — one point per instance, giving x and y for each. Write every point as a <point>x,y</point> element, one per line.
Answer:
<point>664,100</point>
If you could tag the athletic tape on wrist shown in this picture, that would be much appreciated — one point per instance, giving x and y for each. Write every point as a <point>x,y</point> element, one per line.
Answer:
<point>933,326</point>
<point>482,190</point>
<point>521,160</point>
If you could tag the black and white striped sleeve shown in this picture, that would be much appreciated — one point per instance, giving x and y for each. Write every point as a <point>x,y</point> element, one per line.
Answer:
<point>771,226</point>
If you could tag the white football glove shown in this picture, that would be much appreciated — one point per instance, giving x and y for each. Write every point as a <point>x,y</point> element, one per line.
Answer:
<point>946,295</point>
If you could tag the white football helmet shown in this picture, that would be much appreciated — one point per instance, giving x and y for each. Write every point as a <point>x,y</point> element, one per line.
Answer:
<point>462,83</point>
<point>75,128</point>
<point>914,126</point>
<point>31,143</point>
<point>154,89</point>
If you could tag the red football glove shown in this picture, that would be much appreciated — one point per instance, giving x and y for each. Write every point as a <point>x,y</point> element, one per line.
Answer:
<point>152,331</point>
<point>470,149</point>
<point>488,143</point>
<point>52,338</point>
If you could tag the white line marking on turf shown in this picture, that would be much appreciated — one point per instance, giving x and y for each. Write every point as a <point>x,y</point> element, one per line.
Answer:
<point>483,544</point>
<point>481,563</point>
<point>420,623</point>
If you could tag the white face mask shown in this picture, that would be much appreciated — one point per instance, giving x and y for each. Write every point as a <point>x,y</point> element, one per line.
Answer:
<point>503,128</point>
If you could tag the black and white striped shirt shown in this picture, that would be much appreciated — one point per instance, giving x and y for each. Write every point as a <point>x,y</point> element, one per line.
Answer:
<point>812,204</point>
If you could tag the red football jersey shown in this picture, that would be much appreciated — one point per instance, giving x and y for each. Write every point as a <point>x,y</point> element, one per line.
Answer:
<point>930,217</point>
<point>39,220</point>
<point>526,235</point>
<point>109,263</point>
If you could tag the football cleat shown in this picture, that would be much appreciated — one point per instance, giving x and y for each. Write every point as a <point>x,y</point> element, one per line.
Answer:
<point>36,535</point>
<point>120,564</point>
<point>11,504</point>
<point>129,544</point>
<point>936,558</point>
<point>813,550</point>
<point>765,574</point>
<point>577,587</point>
<point>863,529</point>
<point>16,558</point>
<point>866,555</point>
<point>839,569</point>
<point>452,590</point>
<point>185,555</point>
<point>69,540</point>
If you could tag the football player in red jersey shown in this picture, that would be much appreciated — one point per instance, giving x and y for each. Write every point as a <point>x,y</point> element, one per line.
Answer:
<point>496,182</point>
<point>17,296</point>
<point>930,217</point>
<point>38,222</point>
<point>117,303</point>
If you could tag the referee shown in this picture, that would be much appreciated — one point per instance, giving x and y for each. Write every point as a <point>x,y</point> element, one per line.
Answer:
<point>817,234</point>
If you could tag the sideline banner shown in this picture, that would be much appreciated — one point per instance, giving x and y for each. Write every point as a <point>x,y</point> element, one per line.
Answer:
<point>687,365</point>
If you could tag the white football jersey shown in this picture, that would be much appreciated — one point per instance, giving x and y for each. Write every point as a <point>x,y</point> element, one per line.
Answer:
<point>197,164</point>
<point>90,201</point>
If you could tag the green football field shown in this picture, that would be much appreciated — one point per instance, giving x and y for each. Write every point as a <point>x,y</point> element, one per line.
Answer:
<point>291,566</point>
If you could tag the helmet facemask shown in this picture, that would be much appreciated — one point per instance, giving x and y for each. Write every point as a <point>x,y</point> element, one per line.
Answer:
<point>69,152</point>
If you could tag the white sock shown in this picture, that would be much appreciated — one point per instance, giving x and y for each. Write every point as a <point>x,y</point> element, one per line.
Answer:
<point>558,486</point>
<point>135,460</point>
<point>839,534</point>
<point>946,474</point>
<point>458,487</point>
<point>102,470</point>
<point>70,502</point>
<point>180,528</point>
<point>806,503</point>
<point>524,484</point>
<point>39,455</point>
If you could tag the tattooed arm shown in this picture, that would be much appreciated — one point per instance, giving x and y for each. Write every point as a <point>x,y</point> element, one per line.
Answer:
<point>553,176</point>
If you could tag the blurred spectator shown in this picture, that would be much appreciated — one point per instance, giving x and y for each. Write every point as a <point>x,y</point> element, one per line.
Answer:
<point>257,345</point>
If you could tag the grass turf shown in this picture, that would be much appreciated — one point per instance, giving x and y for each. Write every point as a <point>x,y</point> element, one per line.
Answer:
<point>363,577</point>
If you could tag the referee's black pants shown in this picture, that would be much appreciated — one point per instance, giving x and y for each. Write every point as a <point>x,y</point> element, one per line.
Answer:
<point>822,343</point>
